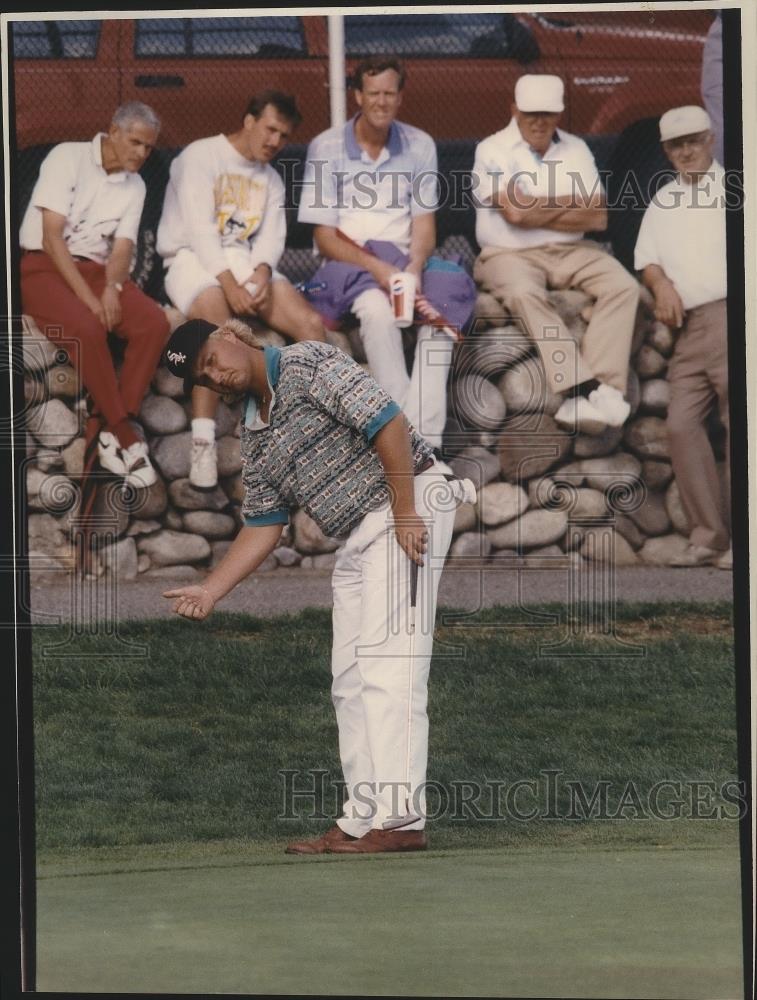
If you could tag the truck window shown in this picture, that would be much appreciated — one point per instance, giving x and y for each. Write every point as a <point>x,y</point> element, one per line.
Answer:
<point>55,39</point>
<point>261,37</point>
<point>470,35</point>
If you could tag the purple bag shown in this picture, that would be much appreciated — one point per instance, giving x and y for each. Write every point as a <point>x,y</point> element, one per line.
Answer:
<point>446,285</point>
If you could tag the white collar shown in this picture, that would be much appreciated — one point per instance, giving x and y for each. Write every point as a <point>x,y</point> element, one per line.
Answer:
<point>512,137</point>
<point>118,176</point>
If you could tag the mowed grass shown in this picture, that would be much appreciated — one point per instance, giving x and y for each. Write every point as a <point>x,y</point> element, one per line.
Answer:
<point>184,746</point>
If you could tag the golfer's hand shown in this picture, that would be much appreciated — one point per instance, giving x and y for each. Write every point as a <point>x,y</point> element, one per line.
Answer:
<point>192,602</point>
<point>412,535</point>
<point>668,306</point>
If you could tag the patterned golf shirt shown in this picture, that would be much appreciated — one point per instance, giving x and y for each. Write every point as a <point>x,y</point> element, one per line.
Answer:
<point>315,452</point>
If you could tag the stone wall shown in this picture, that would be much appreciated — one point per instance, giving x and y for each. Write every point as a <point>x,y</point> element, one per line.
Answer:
<point>543,493</point>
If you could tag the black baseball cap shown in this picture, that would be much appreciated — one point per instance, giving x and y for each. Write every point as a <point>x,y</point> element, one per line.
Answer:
<point>184,346</point>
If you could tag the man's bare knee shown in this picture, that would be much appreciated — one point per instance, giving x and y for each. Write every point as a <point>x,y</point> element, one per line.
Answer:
<point>210,305</point>
<point>312,326</point>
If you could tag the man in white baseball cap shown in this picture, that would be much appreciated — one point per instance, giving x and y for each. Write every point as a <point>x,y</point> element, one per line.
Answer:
<point>538,191</point>
<point>681,252</point>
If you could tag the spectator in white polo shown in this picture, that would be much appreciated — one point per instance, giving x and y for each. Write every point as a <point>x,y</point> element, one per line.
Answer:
<point>78,236</point>
<point>537,192</point>
<point>681,252</point>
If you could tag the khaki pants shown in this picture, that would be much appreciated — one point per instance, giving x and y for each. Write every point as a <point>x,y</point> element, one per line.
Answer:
<point>698,376</point>
<point>518,279</point>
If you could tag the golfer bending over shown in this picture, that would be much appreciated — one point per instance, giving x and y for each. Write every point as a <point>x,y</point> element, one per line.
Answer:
<point>319,433</point>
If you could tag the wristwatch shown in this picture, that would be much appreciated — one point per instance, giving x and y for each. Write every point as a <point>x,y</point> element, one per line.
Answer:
<point>117,285</point>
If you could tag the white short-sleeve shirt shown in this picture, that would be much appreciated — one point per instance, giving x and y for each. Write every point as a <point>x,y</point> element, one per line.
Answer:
<point>99,207</point>
<point>683,232</point>
<point>370,199</point>
<point>566,168</point>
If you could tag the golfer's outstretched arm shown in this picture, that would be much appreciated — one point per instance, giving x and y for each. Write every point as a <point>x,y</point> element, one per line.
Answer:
<point>248,550</point>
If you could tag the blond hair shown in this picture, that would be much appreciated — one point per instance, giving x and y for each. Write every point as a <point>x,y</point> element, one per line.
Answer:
<point>246,336</point>
<point>240,330</point>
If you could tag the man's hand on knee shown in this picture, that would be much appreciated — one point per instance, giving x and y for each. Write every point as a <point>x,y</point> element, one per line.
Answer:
<point>110,301</point>
<point>241,303</point>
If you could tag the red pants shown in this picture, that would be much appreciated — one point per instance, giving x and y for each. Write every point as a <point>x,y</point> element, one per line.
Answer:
<point>61,315</point>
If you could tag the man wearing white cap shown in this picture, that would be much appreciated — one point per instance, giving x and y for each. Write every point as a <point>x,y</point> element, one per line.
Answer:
<point>681,253</point>
<point>538,191</point>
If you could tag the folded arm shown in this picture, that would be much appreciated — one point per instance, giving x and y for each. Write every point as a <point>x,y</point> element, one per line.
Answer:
<point>568,213</point>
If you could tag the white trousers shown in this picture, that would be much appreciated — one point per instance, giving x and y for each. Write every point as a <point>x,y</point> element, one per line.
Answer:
<point>380,666</point>
<point>422,395</point>
<point>185,276</point>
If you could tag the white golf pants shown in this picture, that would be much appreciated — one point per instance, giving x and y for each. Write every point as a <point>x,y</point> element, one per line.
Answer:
<point>380,667</point>
<point>423,394</point>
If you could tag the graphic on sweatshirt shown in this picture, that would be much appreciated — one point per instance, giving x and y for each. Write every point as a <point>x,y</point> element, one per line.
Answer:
<point>240,204</point>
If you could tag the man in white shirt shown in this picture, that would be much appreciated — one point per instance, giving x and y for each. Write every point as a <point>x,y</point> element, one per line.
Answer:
<point>537,191</point>
<point>375,180</point>
<point>221,235</point>
<point>78,236</point>
<point>681,252</point>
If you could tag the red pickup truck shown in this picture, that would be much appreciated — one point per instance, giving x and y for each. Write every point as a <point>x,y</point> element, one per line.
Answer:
<point>198,72</point>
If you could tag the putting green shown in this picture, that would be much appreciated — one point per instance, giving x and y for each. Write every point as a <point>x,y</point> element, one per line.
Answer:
<point>641,922</point>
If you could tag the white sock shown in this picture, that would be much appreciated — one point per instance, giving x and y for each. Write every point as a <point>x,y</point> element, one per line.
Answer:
<point>204,429</point>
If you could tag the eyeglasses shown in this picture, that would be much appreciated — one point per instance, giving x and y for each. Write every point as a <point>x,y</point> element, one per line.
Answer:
<point>697,141</point>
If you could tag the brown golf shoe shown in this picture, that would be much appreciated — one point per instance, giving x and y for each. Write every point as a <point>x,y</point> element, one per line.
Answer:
<point>324,844</point>
<point>380,841</point>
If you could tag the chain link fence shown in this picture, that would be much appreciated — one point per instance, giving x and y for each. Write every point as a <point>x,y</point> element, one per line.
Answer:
<point>621,69</point>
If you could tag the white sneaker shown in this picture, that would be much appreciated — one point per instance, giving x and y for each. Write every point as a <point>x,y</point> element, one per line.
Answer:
<point>203,473</point>
<point>725,561</point>
<point>610,403</point>
<point>110,453</point>
<point>132,463</point>
<point>139,469</point>
<point>577,413</point>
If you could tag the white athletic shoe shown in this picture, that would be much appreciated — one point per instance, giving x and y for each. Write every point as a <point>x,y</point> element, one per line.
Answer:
<point>140,471</point>
<point>131,463</point>
<point>610,403</point>
<point>577,413</point>
<point>203,473</point>
<point>110,453</point>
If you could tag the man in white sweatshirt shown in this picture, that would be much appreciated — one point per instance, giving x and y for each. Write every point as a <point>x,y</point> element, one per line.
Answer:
<point>221,235</point>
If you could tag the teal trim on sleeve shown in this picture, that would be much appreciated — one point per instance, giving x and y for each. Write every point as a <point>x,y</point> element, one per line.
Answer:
<point>272,363</point>
<point>389,412</point>
<point>272,517</point>
<point>249,411</point>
